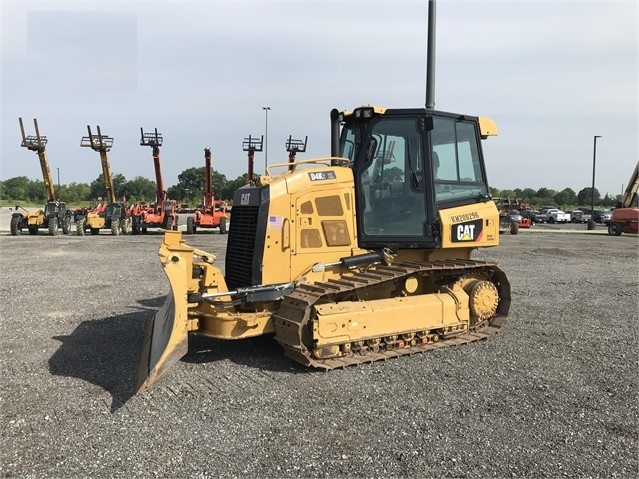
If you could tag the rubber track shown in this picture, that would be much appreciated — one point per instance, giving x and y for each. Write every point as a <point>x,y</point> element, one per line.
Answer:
<point>295,311</point>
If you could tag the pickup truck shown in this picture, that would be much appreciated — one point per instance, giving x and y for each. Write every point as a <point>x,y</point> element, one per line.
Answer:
<point>579,216</point>
<point>552,215</point>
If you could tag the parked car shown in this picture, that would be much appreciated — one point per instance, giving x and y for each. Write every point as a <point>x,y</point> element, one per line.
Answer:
<point>578,216</point>
<point>530,214</point>
<point>602,216</point>
<point>185,208</point>
<point>516,217</point>
<point>540,217</point>
<point>513,215</point>
<point>552,215</point>
<point>511,220</point>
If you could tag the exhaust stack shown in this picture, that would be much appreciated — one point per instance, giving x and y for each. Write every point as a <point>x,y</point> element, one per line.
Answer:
<point>430,58</point>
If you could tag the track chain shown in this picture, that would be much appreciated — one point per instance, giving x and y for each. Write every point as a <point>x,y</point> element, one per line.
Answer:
<point>292,319</point>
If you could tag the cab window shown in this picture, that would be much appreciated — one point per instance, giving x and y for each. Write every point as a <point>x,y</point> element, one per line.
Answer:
<point>457,172</point>
<point>392,180</point>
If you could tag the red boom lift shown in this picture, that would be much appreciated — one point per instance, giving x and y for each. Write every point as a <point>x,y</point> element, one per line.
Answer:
<point>625,217</point>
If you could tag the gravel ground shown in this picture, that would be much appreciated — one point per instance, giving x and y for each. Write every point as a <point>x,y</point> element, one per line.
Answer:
<point>554,394</point>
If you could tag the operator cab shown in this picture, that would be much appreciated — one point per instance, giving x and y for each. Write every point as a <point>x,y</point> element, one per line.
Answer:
<point>408,164</point>
<point>113,210</point>
<point>52,208</point>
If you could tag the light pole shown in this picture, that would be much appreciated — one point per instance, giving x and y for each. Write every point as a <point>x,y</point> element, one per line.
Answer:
<point>266,109</point>
<point>591,223</point>
<point>58,177</point>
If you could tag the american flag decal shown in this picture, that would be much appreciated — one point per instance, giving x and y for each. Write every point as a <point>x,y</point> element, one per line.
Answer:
<point>275,221</point>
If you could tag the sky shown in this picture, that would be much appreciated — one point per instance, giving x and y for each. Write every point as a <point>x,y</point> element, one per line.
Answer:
<point>551,74</point>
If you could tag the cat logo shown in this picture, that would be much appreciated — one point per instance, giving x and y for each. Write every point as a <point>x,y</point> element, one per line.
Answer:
<point>469,231</point>
<point>245,199</point>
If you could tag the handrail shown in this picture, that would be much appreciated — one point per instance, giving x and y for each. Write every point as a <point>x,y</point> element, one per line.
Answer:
<point>320,161</point>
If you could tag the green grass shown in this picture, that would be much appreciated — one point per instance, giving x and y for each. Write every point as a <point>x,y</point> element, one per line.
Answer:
<point>30,205</point>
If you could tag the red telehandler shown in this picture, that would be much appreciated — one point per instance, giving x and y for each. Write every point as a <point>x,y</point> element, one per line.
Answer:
<point>162,213</point>
<point>214,213</point>
<point>251,145</point>
<point>625,217</point>
<point>293,147</point>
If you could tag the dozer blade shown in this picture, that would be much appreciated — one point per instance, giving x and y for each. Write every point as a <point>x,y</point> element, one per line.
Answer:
<point>166,336</point>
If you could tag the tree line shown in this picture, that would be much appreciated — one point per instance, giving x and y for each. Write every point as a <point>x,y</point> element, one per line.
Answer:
<point>565,199</point>
<point>190,189</point>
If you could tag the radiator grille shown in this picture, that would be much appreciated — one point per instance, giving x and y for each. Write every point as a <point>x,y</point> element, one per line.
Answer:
<point>240,248</point>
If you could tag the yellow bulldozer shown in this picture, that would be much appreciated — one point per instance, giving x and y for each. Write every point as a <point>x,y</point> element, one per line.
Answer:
<point>358,257</point>
<point>361,256</point>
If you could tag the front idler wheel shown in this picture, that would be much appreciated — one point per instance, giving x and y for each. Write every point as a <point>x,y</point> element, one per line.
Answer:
<point>483,299</point>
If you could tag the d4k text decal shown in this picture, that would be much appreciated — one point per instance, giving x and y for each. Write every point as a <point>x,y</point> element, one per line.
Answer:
<point>322,175</point>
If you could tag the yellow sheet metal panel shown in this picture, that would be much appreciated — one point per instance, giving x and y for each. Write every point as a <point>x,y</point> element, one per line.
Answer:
<point>470,226</point>
<point>95,221</point>
<point>487,127</point>
<point>35,218</point>
<point>311,220</point>
<point>356,320</point>
<point>236,326</point>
